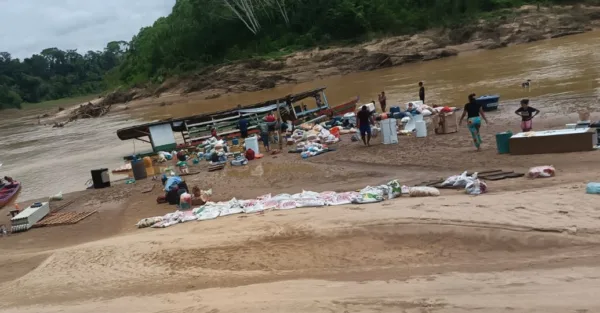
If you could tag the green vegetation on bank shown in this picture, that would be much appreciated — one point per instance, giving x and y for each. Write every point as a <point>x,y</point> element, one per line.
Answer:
<point>55,74</point>
<point>200,33</point>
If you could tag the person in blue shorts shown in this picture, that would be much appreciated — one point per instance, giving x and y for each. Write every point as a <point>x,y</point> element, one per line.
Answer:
<point>364,120</point>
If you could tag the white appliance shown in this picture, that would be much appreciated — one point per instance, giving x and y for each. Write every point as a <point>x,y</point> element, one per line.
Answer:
<point>28,217</point>
<point>252,143</point>
<point>421,128</point>
<point>389,131</point>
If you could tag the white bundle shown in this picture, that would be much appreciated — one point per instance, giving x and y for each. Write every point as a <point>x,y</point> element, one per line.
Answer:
<point>422,191</point>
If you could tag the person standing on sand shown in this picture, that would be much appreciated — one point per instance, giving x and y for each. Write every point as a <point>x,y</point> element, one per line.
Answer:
<point>264,135</point>
<point>365,120</point>
<point>474,112</point>
<point>421,92</point>
<point>243,127</point>
<point>527,114</point>
<point>383,101</point>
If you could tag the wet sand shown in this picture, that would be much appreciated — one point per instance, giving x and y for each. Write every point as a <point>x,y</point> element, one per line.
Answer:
<point>526,246</point>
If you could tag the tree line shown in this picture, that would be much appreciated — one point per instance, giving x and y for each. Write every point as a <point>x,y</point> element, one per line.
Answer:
<point>54,74</point>
<point>199,33</point>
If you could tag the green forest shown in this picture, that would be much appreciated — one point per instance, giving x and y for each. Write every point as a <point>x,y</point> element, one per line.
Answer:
<point>199,33</point>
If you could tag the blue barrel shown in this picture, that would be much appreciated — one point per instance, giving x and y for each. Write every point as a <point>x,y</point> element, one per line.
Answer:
<point>502,142</point>
<point>395,109</point>
<point>235,141</point>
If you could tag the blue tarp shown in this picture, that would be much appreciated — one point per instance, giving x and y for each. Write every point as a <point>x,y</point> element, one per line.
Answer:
<point>172,181</point>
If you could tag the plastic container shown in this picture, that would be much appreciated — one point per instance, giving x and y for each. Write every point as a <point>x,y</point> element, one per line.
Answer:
<point>252,143</point>
<point>593,188</point>
<point>100,178</point>
<point>185,201</point>
<point>389,131</point>
<point>149,166</point>
<point>502,142</point>
<point>421,128</point>
<point>395,109</point>
<point>418,117</point>
<point>139,169</point>
<point>235,141</point>
<point>571,125</point>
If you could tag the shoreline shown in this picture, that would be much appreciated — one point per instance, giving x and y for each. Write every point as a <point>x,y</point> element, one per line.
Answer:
<point>525,26</point>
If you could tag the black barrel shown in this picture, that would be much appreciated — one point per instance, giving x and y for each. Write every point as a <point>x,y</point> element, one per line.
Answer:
<point>100,178</point>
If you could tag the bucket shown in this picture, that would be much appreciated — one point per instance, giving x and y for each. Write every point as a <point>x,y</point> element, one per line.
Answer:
<point>502,142</point>
<point>252,143</point>
<point>100,178</point>
<point>421,128</point>
<point>139,169</point>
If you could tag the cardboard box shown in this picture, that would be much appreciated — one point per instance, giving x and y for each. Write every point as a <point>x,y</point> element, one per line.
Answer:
<point>553,141</point>
<point>445,123</point>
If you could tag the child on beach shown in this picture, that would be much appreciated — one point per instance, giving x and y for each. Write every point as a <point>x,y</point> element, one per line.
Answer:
<point>527,114</point>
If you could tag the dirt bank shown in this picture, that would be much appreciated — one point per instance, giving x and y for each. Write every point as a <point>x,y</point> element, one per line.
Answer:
<point>523,25</point>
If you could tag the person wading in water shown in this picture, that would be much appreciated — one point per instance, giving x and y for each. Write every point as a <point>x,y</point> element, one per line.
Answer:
<point>383,101</point>
<point>474,113</point>
<point>421,92</point>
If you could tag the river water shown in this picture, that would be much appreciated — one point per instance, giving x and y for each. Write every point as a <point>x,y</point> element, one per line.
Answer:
<point>48,160</point>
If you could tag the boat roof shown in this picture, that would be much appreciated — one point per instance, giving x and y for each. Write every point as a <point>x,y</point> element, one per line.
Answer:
<point>177,124</point>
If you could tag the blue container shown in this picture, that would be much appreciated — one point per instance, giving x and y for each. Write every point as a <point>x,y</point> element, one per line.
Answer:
<point>488,102</point>
<point>235,141</point>
<point>593,188</point>
<point>395,109</point>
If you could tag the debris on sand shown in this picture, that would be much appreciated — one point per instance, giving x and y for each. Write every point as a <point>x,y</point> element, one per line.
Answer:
<point>90,110</point>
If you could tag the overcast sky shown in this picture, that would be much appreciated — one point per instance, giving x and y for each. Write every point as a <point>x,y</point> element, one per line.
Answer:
<point>29,26</point>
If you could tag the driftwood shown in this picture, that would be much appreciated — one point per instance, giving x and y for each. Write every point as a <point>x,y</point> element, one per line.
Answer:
<point>90,110</point>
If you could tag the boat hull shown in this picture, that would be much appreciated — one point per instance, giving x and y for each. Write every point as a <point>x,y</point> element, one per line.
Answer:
<point>7,194</point>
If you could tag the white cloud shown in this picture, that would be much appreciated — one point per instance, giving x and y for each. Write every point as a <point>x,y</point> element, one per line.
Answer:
<point>29,26</point>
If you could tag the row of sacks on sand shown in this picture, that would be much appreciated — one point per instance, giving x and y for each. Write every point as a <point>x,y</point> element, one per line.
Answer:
<point>212,210</point>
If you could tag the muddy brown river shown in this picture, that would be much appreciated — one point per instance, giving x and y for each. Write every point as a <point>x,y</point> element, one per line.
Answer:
<point>48,160</point>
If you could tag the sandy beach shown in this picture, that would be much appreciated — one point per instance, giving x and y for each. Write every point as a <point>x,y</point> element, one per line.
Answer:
<point>529,245</point>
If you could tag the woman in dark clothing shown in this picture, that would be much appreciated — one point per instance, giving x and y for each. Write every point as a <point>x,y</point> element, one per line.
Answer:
<point>474,113</point>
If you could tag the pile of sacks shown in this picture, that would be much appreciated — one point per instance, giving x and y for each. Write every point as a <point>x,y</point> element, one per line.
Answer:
<point>471,184</point>
<point>213,146</point>
<point>212,210</point>
<point>314,141</point>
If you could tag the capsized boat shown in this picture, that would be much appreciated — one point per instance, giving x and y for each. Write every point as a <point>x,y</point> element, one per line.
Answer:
<point>197,128</point>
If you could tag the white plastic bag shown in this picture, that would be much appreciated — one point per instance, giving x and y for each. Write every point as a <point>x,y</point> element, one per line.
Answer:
<point>57,197</point>
<point>149,221</point>
<point>422,191</point>
<point>462,180</point>
<point>541,171</point>
<point>476,187</point>
<point>394,189</point>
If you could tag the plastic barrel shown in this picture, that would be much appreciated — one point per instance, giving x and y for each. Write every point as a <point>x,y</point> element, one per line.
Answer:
<point>139,169</point>
<point>502,142</point>
<point>100,178</point>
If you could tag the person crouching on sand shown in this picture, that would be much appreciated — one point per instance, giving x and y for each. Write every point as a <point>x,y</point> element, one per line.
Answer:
<point>365,119</point>
<point>527,114</point>
<point>474,113</point>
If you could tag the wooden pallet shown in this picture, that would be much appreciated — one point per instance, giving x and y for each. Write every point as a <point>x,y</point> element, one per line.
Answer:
<point>63,218</point>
